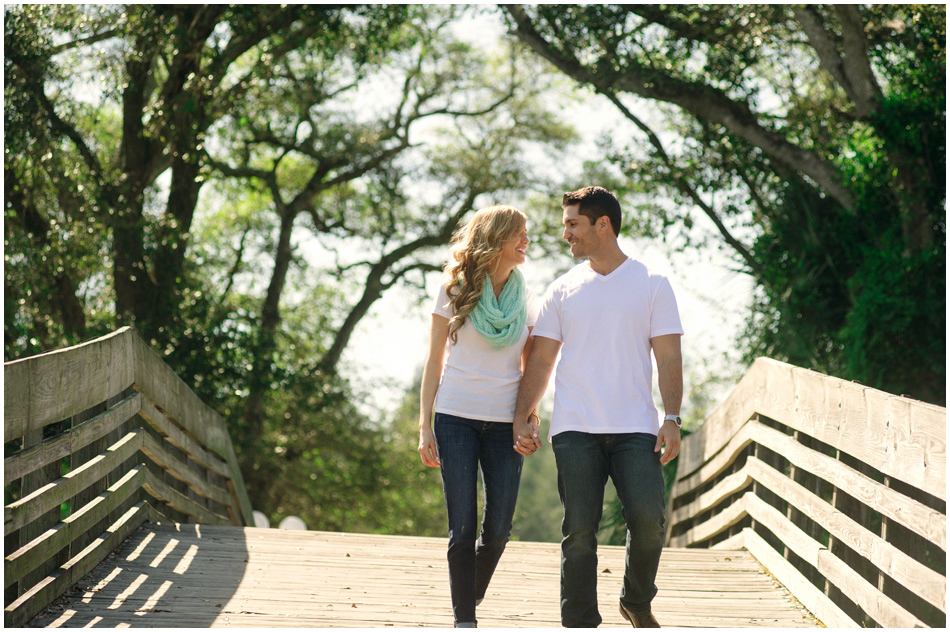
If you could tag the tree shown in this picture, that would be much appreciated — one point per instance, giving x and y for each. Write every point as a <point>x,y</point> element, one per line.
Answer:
<point>247,191</point>
<point>812,138</point>
<point>177,71</point>
<point>376,208</point>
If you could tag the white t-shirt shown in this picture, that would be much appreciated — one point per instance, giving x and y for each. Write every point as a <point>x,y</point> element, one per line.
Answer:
<point>604,378</point>
<point>479,382</point>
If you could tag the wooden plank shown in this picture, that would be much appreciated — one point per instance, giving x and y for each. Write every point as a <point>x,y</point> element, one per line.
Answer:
<point>923,420</point>
<point>173,399</point>
<point>718,462</point>
<point>751,505</point>
<point>807,593</point>
<point>702,445</point>
<point>203,576</point>
<point>42,520</point>
<point>732,543</point>
<point>178,402</point>
<point>17,400</point>
<point>926,583</point>
<point>176,468</point>
<point>53,386</point>
<point>764,387</point>
<point>181,440</point>
<point>66,443</point>
<point>29,556</point>
<point>703,531</point>
<point>791,536</point>
<point>163,492</point>
<point>881,608</point>
<point>919,518</point>
<point>916,577</point>
<point>18,613</point>
<point>860,421</point>
<point>873,428</point>
<point>728,486</point>
<point>926,522</point>
<point>53,494</point>
<point>236,485</point>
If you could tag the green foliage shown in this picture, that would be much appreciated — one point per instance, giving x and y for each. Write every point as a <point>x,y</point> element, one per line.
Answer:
<point>241,184</point>
<point>823,172</point>
<point>902,306</point>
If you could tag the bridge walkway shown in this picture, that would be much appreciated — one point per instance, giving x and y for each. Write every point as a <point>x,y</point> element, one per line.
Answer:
<point>173,575</point>
<point>837,489</point>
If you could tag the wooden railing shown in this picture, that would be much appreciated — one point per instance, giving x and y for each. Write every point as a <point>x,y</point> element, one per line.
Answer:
<point>837,489</point>
<point>97,439</point>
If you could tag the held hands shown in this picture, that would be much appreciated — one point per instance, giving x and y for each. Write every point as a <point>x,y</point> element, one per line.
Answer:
<point>670,435</point>
<point>525,434</point>
<point>427,447</point>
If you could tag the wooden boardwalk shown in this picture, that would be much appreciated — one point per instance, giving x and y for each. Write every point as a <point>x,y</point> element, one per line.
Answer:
<point>205,576</point>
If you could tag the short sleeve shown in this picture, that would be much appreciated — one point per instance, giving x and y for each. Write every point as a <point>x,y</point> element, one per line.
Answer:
<point>548,324</point>
<point>442,306</point>
<point>664,315</point>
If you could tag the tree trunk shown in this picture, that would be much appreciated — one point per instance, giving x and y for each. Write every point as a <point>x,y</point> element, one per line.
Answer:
<point>173,240</point>
<point>851,69</point>
<point>259,381</point>
<point>133,294</point>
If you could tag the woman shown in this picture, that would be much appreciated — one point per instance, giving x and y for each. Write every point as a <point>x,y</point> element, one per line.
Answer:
<point>485,313</point>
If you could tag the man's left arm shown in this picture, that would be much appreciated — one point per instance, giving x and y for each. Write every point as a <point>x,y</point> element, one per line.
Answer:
<point>669,365</point>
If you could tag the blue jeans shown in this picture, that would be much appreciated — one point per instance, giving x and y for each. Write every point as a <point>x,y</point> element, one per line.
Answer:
<point>463,446</point>
<point>584,461</point>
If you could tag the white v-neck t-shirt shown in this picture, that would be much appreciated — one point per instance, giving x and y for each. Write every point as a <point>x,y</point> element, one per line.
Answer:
<point>479,382</point>
<point>604,378</point>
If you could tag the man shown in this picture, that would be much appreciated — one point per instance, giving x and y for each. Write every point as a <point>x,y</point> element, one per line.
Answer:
<point>605,316</point>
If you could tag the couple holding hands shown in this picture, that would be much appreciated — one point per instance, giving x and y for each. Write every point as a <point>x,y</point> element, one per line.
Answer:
<point>603,317</point>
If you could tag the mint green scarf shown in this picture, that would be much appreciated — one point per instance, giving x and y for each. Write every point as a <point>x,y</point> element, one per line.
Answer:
<point>500,321</point>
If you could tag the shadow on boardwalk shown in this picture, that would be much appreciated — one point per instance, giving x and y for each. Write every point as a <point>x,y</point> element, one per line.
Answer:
<point>201,576</point>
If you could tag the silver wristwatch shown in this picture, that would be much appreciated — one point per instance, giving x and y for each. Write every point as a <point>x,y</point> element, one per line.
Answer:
<point>675,419</point>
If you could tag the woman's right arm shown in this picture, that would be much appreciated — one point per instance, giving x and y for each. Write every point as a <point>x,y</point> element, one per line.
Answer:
<point>431,376</point>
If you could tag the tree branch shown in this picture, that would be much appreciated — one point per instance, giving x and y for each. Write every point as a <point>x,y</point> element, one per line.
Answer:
<point>852,71</point>
<point>62,128</point>
<point>688,189</point>
<point>828,56</point>
<point>238,261</point>
<point>700,100</point>
<point>679,28</point>
<point>375,286</point>
<point>92,39</point>
<point>865,90</point>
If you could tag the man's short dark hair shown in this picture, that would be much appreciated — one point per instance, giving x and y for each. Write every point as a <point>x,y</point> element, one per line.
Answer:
<point>594,203</point>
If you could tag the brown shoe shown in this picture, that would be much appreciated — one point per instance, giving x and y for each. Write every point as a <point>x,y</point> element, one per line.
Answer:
<point>645,620</point>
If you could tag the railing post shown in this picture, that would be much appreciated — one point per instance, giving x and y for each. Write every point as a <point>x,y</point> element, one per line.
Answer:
<point>755,483</point>
<point>884,520</point>
<point>788,505</point>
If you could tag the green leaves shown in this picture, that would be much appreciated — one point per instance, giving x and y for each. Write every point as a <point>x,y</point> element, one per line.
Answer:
<point>813,139</point>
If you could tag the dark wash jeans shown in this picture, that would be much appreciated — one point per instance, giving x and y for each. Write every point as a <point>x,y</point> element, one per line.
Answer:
<point>584,461</point>
<point>463,446</point>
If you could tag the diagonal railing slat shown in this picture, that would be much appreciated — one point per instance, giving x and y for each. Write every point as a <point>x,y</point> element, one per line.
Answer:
<point>99,438</point>
<point>838,489</point>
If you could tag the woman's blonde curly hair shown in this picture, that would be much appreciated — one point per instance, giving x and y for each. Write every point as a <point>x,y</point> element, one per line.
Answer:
<point>476,248</point>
